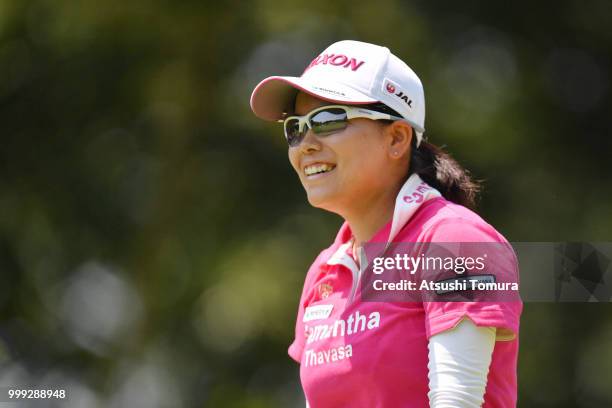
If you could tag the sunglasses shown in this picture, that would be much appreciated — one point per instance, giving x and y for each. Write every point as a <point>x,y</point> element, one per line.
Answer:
<point>326,120</point>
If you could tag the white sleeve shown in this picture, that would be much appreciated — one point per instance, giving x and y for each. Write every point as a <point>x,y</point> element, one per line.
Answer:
<point>459,361</point>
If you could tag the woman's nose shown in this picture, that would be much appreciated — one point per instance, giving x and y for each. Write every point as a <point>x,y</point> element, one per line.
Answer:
<point>310,143</point>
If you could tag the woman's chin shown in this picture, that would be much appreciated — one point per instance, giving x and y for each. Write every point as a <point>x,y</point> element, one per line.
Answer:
<point>320,200</point>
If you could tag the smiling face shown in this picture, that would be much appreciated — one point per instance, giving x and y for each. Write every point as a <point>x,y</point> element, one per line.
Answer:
<point>348,168</point>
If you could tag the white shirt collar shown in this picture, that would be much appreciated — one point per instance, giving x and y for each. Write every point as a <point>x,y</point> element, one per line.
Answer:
<point>411,196</point>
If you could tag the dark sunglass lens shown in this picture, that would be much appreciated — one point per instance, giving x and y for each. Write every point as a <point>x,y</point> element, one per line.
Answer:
<point>329,120</point>
<point>292,132</point>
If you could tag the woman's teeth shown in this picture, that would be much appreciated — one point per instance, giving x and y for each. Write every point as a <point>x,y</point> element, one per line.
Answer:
<point>318,168</point>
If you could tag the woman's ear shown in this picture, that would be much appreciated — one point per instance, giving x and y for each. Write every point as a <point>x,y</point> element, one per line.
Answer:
<point>399,136</point>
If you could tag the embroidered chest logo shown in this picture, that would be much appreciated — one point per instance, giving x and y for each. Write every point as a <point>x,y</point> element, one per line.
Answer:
<point>325,289</point>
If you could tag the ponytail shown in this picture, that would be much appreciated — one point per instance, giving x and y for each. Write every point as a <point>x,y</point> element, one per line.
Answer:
<point>438,169</point>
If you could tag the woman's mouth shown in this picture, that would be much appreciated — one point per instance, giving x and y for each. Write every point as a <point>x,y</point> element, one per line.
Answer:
<point>318,168</point>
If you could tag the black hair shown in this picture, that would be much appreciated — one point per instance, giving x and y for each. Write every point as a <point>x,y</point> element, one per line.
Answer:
<point>439,169</point>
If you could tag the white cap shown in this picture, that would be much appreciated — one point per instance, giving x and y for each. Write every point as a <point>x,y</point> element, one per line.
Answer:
<point>350,73</point>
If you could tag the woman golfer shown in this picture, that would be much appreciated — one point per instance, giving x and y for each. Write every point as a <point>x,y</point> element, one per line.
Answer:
<point>354,123</point>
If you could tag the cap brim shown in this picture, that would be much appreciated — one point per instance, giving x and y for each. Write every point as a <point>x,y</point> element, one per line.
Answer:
<point>276,95</point>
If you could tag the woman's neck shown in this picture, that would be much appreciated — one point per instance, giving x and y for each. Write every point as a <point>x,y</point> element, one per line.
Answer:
<point>368,218</point>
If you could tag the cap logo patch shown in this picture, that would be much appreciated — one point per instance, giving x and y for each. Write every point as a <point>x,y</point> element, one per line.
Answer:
<point>338,60</point>
<point>392,90</point>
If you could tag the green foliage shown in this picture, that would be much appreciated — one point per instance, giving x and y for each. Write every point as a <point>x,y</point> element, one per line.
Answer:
<point>153,236</point>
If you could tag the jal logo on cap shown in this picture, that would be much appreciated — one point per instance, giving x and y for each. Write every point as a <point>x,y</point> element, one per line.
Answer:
<point>392,88</point>
<point>338,60</point>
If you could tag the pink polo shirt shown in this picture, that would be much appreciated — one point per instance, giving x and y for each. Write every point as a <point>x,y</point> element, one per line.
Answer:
<point>374,354</point>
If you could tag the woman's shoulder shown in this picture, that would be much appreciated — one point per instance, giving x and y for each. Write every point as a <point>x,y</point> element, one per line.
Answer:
<point>444,221</point>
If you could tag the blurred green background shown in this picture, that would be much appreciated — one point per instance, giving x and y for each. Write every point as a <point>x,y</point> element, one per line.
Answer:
<point>154,240</point>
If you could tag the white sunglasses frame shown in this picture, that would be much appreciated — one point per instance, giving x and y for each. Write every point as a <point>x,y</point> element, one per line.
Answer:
<point>352,112</point>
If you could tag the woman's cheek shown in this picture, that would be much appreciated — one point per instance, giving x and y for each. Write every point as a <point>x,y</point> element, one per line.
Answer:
<point>293,160</point>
